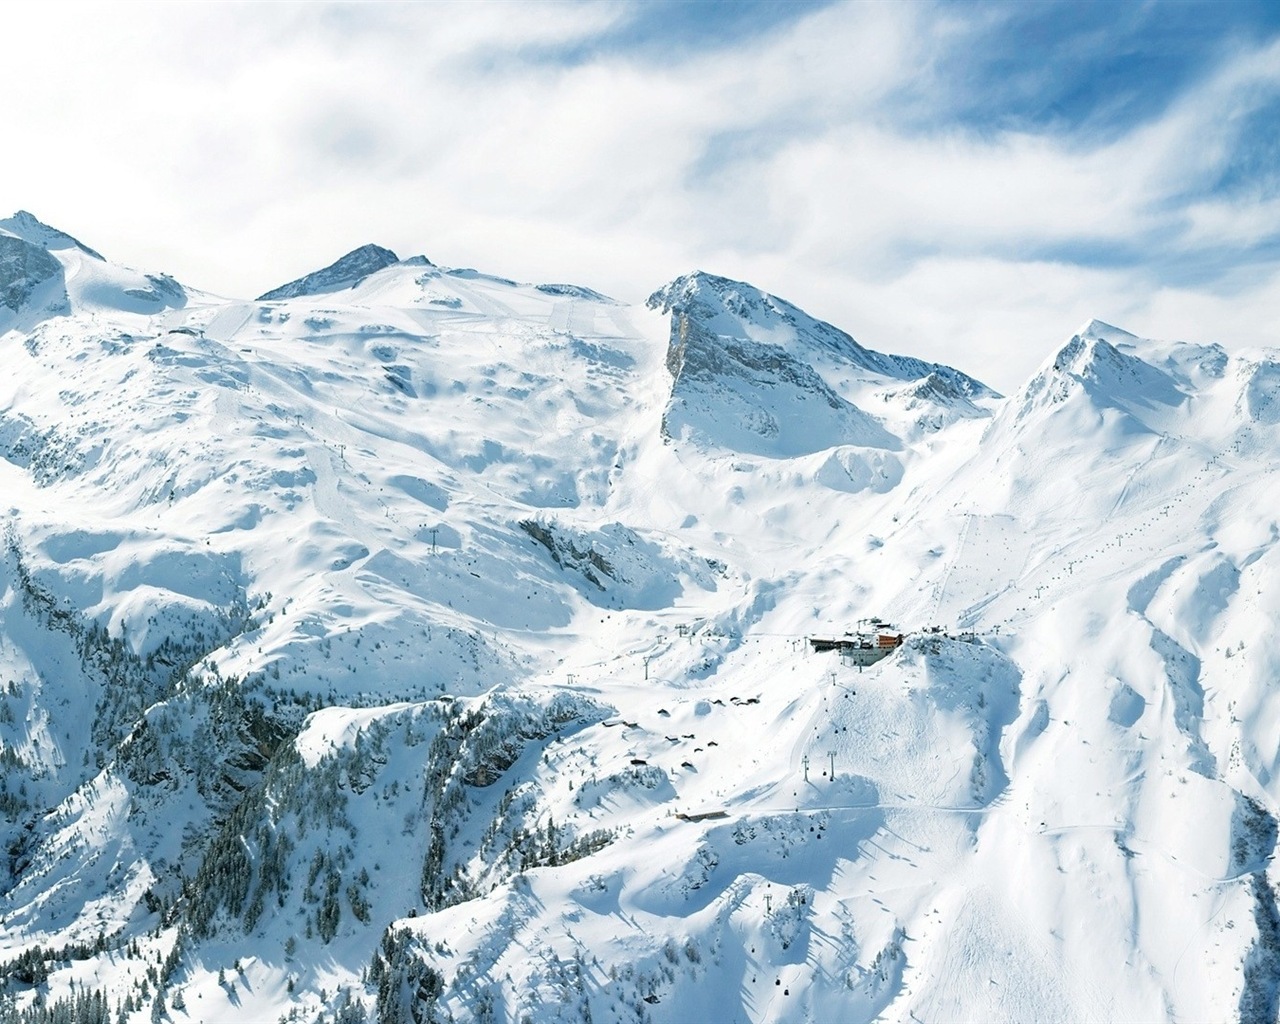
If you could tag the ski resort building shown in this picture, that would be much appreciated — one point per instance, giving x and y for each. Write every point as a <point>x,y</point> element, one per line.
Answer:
<point>873,641</point>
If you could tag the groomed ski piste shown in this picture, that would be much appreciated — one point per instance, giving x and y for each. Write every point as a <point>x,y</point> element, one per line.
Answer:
<point>415,644</point>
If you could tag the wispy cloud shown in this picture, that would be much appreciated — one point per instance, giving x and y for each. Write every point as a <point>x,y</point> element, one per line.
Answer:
<point>962,181</point>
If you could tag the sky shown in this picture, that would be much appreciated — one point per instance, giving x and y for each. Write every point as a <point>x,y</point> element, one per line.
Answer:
<point>965,182</point>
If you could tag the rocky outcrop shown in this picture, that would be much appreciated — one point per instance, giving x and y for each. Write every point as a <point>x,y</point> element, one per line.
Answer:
<point>346,272</point>
<point>753,373</point>
<point>24,267</point>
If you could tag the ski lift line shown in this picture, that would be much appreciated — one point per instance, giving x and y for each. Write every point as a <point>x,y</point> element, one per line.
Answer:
<point>955,558</point>
<point>638,651</point>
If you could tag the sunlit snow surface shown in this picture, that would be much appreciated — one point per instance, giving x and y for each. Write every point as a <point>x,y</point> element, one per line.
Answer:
<point>495,561</point>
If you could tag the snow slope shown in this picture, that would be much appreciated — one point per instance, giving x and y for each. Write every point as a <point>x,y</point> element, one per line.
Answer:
<point>415,644</point>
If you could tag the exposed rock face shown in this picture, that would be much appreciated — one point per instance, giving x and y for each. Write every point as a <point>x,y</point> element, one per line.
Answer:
<point>738,308</point>
<point>161,289</point>
<point>31,228</point>
<point>755,374</point>
<point>23,268</point>
<point>347,272</point>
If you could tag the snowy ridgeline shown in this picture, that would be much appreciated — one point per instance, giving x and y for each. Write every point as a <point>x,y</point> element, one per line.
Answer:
<point>413,644</point>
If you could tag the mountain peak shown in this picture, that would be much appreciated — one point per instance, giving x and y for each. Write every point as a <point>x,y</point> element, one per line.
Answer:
<point>729,308</point>
<point>1100,360</point>
<point>754,373</point>
<point>1104,331</point>
<point>346,272</point>
<point>686,288</point>
<point>735,308</point>
<point>30,228</point>
<point>370,251</point>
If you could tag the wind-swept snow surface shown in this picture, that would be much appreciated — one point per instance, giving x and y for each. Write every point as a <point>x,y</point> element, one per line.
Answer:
<point>414,644</point>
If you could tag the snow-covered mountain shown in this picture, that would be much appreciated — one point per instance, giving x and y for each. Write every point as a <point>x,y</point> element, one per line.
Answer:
<point>414,644</point>
<point>754,373</point>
